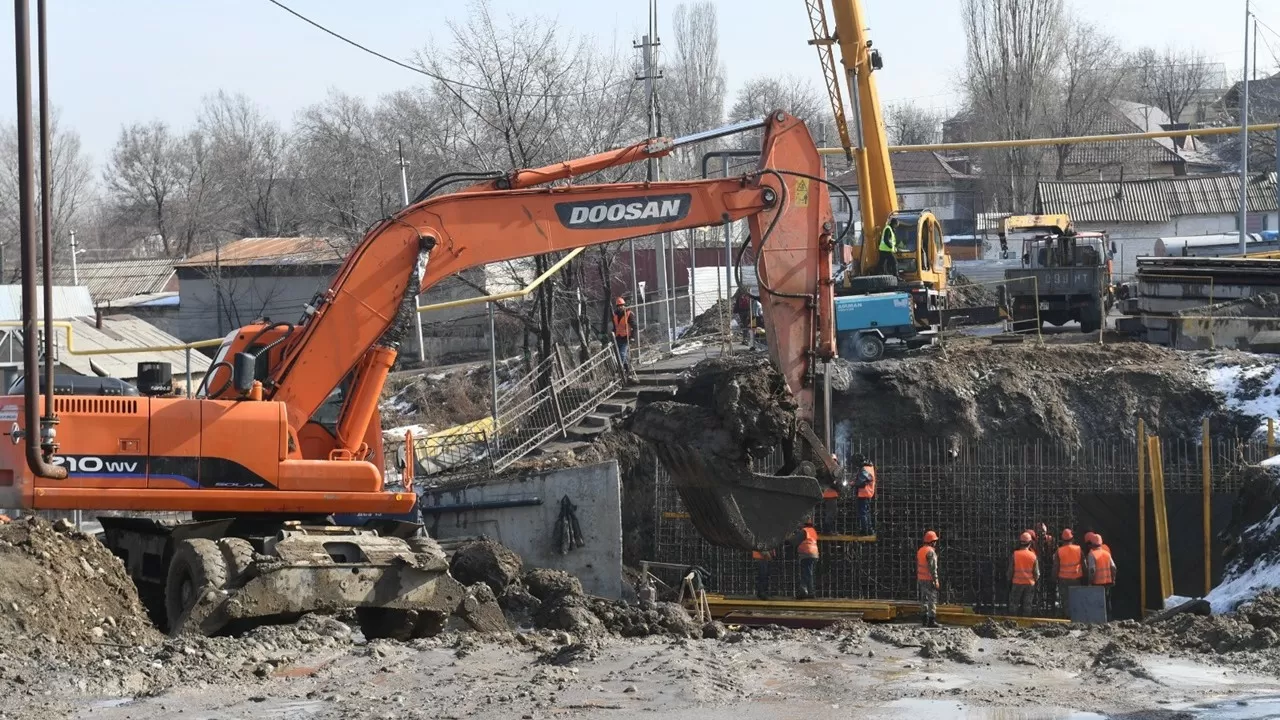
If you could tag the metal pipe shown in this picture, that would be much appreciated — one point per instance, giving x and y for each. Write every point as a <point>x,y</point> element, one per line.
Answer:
<point>1206,470</point>
<point>487,505</point>
<point>190,390</point>
<point>1244,141</point>
<point>725,131</point>
<point>493,368</point>
<point>1077,140</point>
<point>68,327</point>
<point>26,234</point>
<point>514,294</point>
<point>49,421</point>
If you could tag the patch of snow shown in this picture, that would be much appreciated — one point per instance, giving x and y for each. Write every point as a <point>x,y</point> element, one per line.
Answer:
<point>1227,596</point>
<point>417,430</point>
<point>1262,403</point>
<point>687,348</point>
<point>1174,601</point>
<point>1271,462</point>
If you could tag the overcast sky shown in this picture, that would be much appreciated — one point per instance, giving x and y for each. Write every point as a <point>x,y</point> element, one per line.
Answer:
<point>118,61</point>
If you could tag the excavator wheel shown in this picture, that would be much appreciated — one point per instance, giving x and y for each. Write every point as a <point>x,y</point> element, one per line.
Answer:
<point>238,555</point>
<point>197,568</point>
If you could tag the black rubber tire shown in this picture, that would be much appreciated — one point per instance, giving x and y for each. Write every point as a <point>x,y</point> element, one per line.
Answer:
<point>1090,319</point>
<point>869,348</point>
<point>237,553</point>
<point>873,283</point>
<point>196,568</point>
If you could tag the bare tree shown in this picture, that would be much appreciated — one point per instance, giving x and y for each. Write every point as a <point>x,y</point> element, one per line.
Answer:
<point>250,164</point>
<point>1089,82</point>
<point>910,124</point>
<point>141,178</point>
<point>691,93</point>
<point>1170,79</point>
<point>1013,51</point>
<point>528,94</point>
<point>71,184</point>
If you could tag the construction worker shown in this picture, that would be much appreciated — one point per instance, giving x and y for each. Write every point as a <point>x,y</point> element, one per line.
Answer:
<point>1024,573</point>
<point>1068,568</point>
<point>757,323</point>
<point>742,310</point>
<point>889,246</point>
<point>624,328</point>
<point>927,579</point>
<point>762,558</point>
<point>866,487</point>
<point>807,552</point>
<point>1100,568</point>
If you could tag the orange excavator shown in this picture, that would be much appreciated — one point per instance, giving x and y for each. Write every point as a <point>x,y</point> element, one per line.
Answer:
<point>286,434</point>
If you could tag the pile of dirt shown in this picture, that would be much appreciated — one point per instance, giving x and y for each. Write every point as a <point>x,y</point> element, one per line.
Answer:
<point>963,293</point>
<point>440,400</point>
<point>728,408</point>
<point>58,585</point>
<point>1063,395</point>
<point>713,321</point>
<point>485,561</point>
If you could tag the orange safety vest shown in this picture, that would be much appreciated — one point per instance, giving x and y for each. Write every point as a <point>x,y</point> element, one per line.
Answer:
<point>1024,567</point>
<point>922,564</point>
<point>1102,567</point>
<point>830,493</point>
<point>1070,562</point>
<point>809,546</point>
<point>868,491</point>
<point>622,324</point>
<point>758,555</point>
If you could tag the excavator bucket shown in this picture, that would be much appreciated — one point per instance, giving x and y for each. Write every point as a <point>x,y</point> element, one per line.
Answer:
<point>734,507</point>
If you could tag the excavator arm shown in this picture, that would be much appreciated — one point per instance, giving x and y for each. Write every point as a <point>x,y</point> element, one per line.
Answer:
<point>427,242</point>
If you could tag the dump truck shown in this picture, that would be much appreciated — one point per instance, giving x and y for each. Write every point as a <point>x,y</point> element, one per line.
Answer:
<point>1065,275</point>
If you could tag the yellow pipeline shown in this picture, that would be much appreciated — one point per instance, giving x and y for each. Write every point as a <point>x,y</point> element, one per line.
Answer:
<point>1032,142</point>
<point>514,294</point>
<point>69,328</point>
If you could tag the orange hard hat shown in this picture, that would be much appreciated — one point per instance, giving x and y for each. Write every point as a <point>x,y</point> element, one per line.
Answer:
<point>1067,534</point>
<point>619,301</point>
<point>1032,533</point>
<point>1025,537</point>
<point>931,536</point>
<point>1088,537</point>
<point>1097,539</point>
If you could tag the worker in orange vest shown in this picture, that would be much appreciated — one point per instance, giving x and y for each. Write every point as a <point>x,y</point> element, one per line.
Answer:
<point>624,328</point>
<point>1100,568</point>
<point>762,558</point>
<point>927,579</point>
<point>866,487</point>
<point>807,552</point>
<point>1068,568</point>
<point>1024,573</point>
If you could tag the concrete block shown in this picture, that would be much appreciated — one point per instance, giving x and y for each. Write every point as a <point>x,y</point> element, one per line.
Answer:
<point>529,529</point>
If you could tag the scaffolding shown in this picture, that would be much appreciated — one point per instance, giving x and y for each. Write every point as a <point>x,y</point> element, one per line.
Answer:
<point>978,496</point>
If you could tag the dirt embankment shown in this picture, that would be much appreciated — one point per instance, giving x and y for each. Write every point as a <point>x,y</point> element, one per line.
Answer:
<point>1062,394</point>
<point>58,585</point>
<point>963,293</point>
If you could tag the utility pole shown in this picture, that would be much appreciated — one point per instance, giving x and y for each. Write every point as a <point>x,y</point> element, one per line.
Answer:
<point>404,192</point>
<point>75,272</point>
<point>653,171</point>
<point>1244,140</point>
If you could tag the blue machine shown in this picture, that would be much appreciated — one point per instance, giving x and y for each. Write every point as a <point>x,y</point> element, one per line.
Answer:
<point>865,322</point>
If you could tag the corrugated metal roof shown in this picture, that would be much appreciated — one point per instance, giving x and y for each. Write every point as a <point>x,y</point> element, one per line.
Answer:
<point>116,279</point>
<point>1145,201</point>
<point>124,331</point>
<point>1154,201</point>
<point>156,299</point>
<point>68,302</point>
<point>272,251</point>
<point>920,168</point>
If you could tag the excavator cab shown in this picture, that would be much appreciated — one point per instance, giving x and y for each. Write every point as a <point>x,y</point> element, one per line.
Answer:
<point>920,256</point>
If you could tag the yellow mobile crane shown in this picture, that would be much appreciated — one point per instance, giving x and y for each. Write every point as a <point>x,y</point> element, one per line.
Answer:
<point>920,260</point>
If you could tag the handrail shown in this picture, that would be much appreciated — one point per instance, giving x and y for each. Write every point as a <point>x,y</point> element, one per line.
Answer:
<point>512,295</point>
<point>69,327</point>
<point>1078,140</point>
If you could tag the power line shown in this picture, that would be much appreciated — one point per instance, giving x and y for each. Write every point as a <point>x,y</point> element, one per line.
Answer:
<point>428,73</point>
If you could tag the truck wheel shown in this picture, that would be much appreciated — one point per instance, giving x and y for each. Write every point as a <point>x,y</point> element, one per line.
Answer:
<point>238,555</point>
<point>197,568</point>
<point>869,347</point>
<point>873,283</point>
<point>1090,319</point>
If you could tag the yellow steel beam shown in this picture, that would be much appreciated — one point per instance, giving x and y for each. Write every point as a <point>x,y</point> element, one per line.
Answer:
<point>514,294</point>
<point>1156,459</point>
<point>1078,140</point>
<point>70,327</point>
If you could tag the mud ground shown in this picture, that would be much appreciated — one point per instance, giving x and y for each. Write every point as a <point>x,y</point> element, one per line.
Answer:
<point>860,670</point>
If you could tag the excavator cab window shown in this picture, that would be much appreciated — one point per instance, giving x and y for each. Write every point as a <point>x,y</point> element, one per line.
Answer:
<point>328,414</point>
<point>908,236</point>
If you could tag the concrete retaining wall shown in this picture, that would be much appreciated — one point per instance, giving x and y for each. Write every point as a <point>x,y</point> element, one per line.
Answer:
<point>529,528</point>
